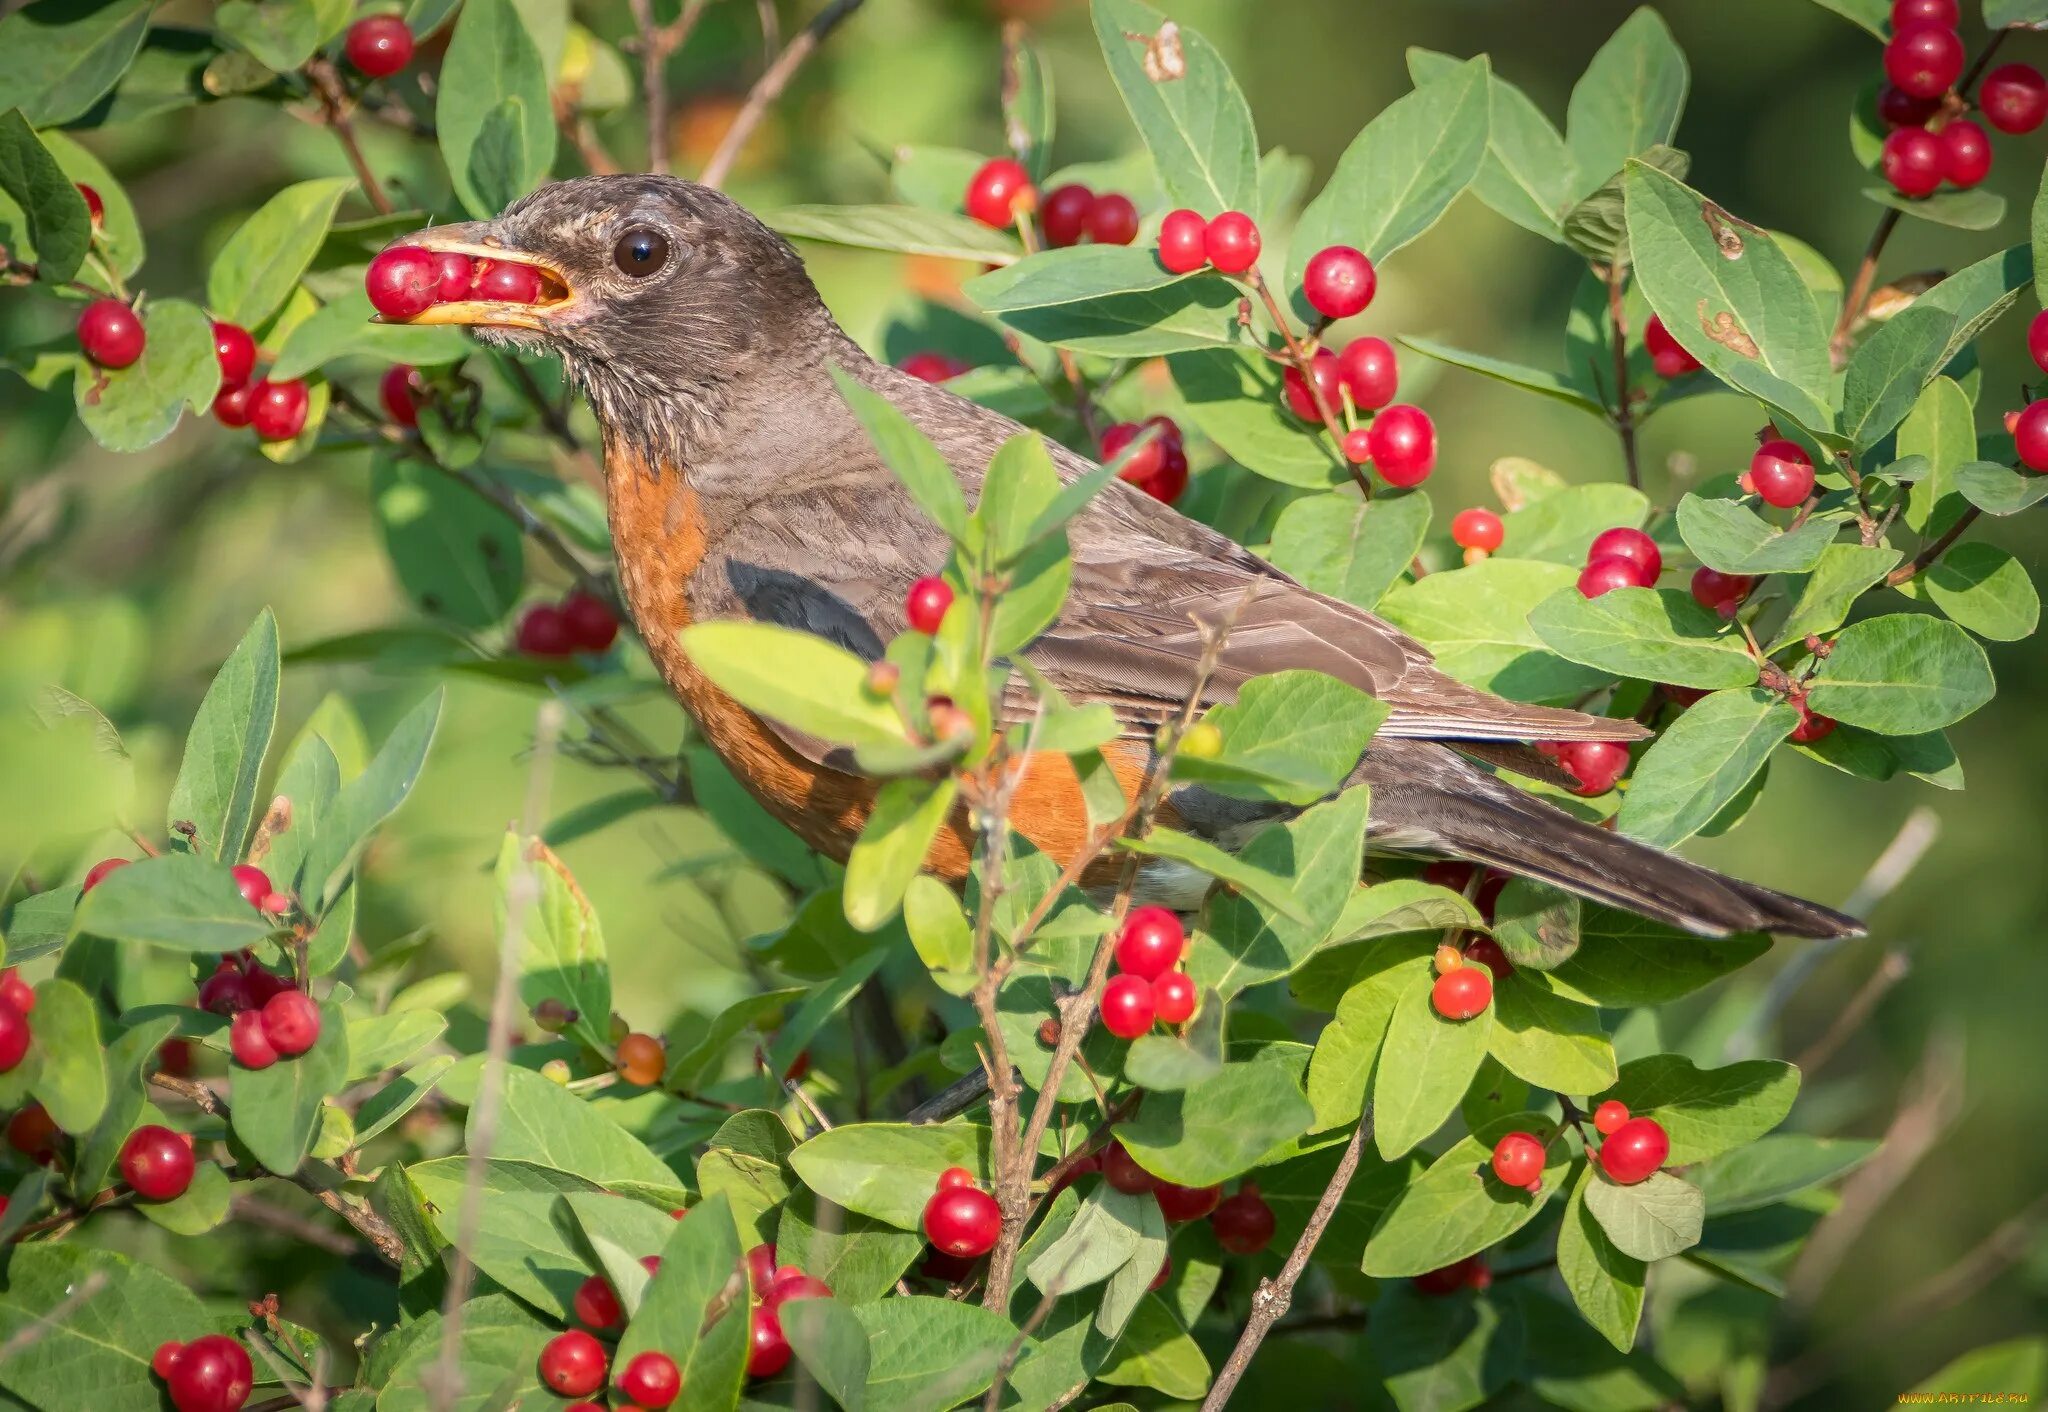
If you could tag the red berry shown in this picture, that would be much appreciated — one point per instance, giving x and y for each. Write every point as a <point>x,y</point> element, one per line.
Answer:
<point>1403,444</point>
<point>1934,12</point>
<point>1782,473</point>
<point>997,191</point>
<point>926,603</point>
<point>1339,282</point>
<point>2037,340</point>
<point>165,1356</point>
<point>1113,219</point>
<point>597,1303</point>
<point>157,1162</point>
<point>17,992</point>
<point>792,1283</point>
<point>1183,241</point>
<point>652,1263</point>
<point>1165,480</point>
<point>932,367</point>
<point>1477,529</point>
<point>378,45</point>
<point>1357,445</point>
<point>1174,998</point>
<point>1812,726</point>
<point>33,1133</point>
<point>99,870</point>
<point>1609,1116</point>
<point>1721,592</point>
<point>252,882</point>
<point>231,405</point>
<point>573,1364</point>
<point>226,991</point>
<point>963,1222</point>
<point>1300,400</point>
<point>767,1348</point>
<point>1635,1150</point>
<point>953,1178</point>
<point>1965,153</point>
<point>2030,436</point>
<point>1924,59</point>
<point>761,1267</point>
<point>1469,1273</point>
<point>1633,546</point>
<point>1165,1273</point>
<point>1127,1006</point>
<point>652,1380</point>
<point>1667,356</point>
<point>1518,1159</point>
<point>642,1060</point>
<point>1149,461</point>
<point>1151,942</point>
<point>1595,764</point>
<point>263,985</point>
<point>1605,574</point>
<point>2014,98</point>
<point>95,208</point>
<point>544,632</point>
<point>1063,214</point>
<point>277,410</point>
<point>399,391</point>
<point>1485,951</point>
<point>1123,1173</point>
<point>1912,161</point>
<point>249,1041</point>
<point>110,334</point>
<point>1898,108</point>
<point>454,276</point>
<point>590,620</point>
<point>509,282</point>
<point>235,349</point>
<point>403,281</point>
<point>1243,1223</point>
<point>291,1022</point>
<point>15,1036</point>
<point>1181,1204</point>
<point>1461,994</point>
<point>1232,242</point>
<point>1367,370</point>
<point>211,1374</point>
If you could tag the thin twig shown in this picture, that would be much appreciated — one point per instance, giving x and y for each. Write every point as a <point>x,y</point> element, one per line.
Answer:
<point>1859,289</point>
<point>769,87</point>
<point>1273,1296</point>
<point>1624,415</point>
<point>1933,549</point>
<point>334,114</point>
<point>1891,969</point>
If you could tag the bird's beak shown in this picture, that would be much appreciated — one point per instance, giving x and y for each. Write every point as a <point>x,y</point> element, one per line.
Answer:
<point>479,240</point>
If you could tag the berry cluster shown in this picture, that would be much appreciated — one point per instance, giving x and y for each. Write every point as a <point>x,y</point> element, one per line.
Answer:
<point>405,281</point>
<point>1072,213</point>
<point>581,622</point>
<point>961,1220</point>
<point>1620,558</point>
<point>1634,1148</point>
<point>1150,987</point>
<point>774,1286</point>
<point>1463,988</point>
<point>1243,1223</point>
<point>1160,467</point>
<point>1930,141</point>
<point>378,46</point>
<point>212,1373</point>
<point>274,410</point>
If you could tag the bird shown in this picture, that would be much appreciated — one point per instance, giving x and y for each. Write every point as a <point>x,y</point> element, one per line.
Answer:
<point>740,484</point>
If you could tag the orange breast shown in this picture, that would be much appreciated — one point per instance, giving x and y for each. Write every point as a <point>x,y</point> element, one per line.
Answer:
<point>659,531</point>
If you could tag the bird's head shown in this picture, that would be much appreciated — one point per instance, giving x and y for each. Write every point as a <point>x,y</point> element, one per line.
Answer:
<point>667,301</point>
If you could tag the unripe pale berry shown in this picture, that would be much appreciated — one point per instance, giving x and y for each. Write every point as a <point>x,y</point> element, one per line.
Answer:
<point>1631,545</point>
<point>1339,282</point>
<point>1174,998</point>
<point>1243,1223</point>
<point>926,604</point>
<point>998,191</point>
<point>1063,214</point>
<point>652,1380</point>
<point>235,350</point>
<point>1183,242</point>
<point>1403,443</point>
<point>642,1060</point>
<point>291,1022</point>
<point>962,1222</point>
<point>1635,1150</point>
<point>1127,1006</point>
<point>1518,1159</point>
<point>1461,994</point>
<point>2013,98</point>
<point>378,45</point>
<point>1925,60</point>
<point>1150,943</point>
<point>1477,529</point>
<point>1667,355</point>
<point>1965,153</point>
<point>277,410</point>
<point>1609,1116</point>
<point>110,334</point>
<point>573,1363</point>
<point>1446,958</point>
<point>1113,219</point>
<point>1912,161</point>
<point>1232,242</point>
<point>1368,371</point>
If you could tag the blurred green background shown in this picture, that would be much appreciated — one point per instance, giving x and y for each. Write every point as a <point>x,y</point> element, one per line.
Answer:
<point>127,578</point>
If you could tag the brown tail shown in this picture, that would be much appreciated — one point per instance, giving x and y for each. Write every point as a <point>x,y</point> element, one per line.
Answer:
<point>1428,798</point>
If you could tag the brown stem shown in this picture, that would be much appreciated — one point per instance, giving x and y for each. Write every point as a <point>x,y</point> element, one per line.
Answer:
<point>583,136</point>
<point>1859,288</point>
<point>1624,414</point>
<point>334,113</point>
<point>1273,1296</point>
<point>1933,549</point>
<point>1304,363</point>
<point>769,87</point>
<point>656,43</point>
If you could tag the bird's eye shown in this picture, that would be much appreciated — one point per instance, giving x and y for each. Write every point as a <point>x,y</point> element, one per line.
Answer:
<point>640,252</point>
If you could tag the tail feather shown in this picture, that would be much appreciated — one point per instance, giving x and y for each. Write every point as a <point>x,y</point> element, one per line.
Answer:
<point>1427,797</point>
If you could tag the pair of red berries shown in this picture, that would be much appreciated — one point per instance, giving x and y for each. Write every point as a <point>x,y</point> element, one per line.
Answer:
<point>378,46</point>
<point>774,1285</point>
<point>1620,558</point>
<point>1160,467</point>
<point>1634,1148</point>
<point>1667,356</point>
<point>1187,242</point>
<point>1150,987</point>
<point>1916,162</point>
<point>158,1163</point>
<point>1399,442</point>
<point>212,1373</point>
<point>1365,371</point>
<point>288,1024</point>
<point>405,281</point>
<point>17,999</point>
<point>574,1364</point>
<point>960,1219</point>
<point>1071,213</point>
<point>581,622</point>
<point>1462,989</point>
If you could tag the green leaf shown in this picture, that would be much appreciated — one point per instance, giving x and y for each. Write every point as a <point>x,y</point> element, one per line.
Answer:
<point>1984,588</point>
<point>1976,209</point>
<point>1529,175</point>
<point>1624,960</point>
<point>908,452</point>
<point>494,1356</point>
<point>1223,1126</point>
<point>103,1342</point>
<point>1605,1283</point>
<point>1731,537</point>
<point>1234,396</point>
<point>1352,549</point>
<point>59,57</point>
<point>1476,621</point>
<point>1243,942</point>
<point>1887,372</point>
<point>1537,380</point>
<point>175,901</point>
<point>1424,1067</point>
<point>1706,1111</point>
<point>1774,1167</point>
<point>1597,228</point>
<point>908,815</point>
<point>745,1162</point>
<point>276,1110</point>
<point>695,1308</point>
<point>1902,674</point>
<point>518,1241</point>
<point>562,951</point>
<point>399,1096</point>
<point>1268,889</point>
<point>491,59</point>
<point>132,408</point>
<point>1839,577</point>
<point>1729,295</point>
<point>58,229</point>
<point>860,1257</point>
<point>1653,634</point>
<point>2037,242</point>
<point>1560,527</point>
<point>498,162</point>
<point>201,1207</point>
<point>1340,1071</point>
<point>279,35</point>
<point>1537,925</point>
<point>1111,1229</point>
<point>902,229</point>
<point>1443,1355</point>
<point>1188,110</point>
<point>928,1354</point>
<point>1548,1041</point>
<point>2000,490</point>
<point>119,236</point>
<point>1400,173</point>
<point>1701,763</point>
<point>888,1170</point>
<point>457,555</point>
<point>1629,98</point>
<point>829,1341</point>
<point>1650,1219</point>
<point>541,1122</point>
<point>70,1082</point>
<point>1871,15</point>
<point>380,1042</point>
<point>1458,1207</point>
<point>794,677</point>
<point>1157,1353</point>
<point>261,262</point>
<point>1114,300</point>
<point>129,1058</point>
<point>1293,735</point>
<point>215,790</point>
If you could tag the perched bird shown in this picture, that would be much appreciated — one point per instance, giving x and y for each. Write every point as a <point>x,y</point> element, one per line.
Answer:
<point>740,485</point>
